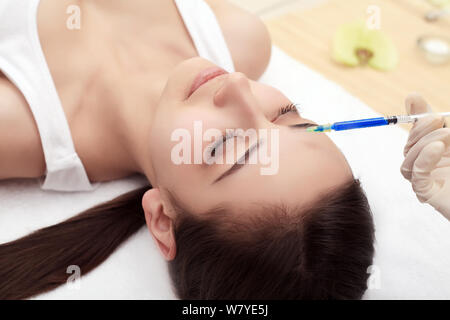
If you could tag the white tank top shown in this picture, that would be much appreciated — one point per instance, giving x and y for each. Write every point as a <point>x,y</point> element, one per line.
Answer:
<point>23,62</point>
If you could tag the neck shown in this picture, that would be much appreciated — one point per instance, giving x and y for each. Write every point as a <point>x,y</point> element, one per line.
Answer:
<point>131,125</point>
<point>131,82</point>
<point>114,135</point>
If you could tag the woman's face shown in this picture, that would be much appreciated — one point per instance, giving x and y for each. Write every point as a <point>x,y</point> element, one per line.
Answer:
<point>278,163</point>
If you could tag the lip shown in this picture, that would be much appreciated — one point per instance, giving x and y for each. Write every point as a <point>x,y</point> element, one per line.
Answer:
<point>204,76</point>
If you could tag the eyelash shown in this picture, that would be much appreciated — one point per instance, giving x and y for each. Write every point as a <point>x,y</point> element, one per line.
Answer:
<point>212,148</point>
<point>286,109</point>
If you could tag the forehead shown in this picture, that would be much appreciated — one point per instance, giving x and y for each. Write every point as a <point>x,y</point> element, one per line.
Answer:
<point>309,164</point>
<point>307,168</point>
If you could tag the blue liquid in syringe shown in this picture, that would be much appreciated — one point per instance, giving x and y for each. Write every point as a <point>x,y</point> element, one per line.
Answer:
<point>355,124</point>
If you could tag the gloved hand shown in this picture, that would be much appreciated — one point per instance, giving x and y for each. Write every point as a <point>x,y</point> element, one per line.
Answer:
<point>427,157</point>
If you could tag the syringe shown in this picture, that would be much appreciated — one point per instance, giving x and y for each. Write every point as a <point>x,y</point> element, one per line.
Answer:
<point>372,122</point>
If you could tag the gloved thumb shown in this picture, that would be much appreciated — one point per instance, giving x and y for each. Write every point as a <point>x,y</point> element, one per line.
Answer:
<point>423,184</point>
<point>416,104</point>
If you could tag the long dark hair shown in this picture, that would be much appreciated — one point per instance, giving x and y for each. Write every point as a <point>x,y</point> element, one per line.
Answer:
<point>38,262</point>
<point>320,252</point>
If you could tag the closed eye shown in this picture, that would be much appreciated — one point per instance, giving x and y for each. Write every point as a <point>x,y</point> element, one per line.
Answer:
<point>286,109</point>
<point>290,108</point>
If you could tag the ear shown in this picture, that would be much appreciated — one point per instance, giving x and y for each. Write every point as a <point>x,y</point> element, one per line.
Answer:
<point>160,225</point>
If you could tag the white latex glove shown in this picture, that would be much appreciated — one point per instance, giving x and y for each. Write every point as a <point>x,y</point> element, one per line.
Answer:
<point>427,157</point>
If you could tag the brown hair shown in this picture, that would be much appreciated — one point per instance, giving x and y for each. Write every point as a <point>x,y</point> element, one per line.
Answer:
<point>319,253</point>
<point>322,252</point>
<point>38,262</point>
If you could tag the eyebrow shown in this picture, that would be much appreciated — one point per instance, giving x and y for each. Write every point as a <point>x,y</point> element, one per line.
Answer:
<point>238,164</point>
<point>303,125</point>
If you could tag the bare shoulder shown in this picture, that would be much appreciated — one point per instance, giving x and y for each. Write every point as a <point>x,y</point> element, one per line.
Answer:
<point>21,154</point>
<point>246,35</point>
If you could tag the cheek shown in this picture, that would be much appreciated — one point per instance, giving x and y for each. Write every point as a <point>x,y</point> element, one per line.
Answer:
<point>187,183</point>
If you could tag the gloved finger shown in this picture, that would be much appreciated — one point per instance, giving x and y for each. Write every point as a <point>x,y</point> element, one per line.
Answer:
<point>423,184</point>
<point>442,134</point>
<point>416,104</point>
<point>421,128</point>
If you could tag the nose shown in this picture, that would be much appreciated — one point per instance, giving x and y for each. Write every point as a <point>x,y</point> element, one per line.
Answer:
<point>236,93</point>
